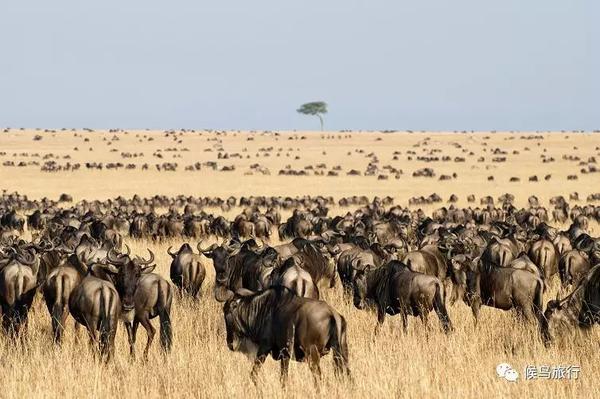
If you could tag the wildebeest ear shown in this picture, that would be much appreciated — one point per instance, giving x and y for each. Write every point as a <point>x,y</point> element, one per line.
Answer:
<point>148,269</point>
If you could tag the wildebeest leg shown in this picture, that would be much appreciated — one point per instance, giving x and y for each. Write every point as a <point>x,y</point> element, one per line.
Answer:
<point>76,332</point>
<point>131,339</point>
<point>261,356</point>
<point>314,359</point>
<point>91,327</point>
<point>150,330</point>
<point>475,306</point>
<point>404,316</point>
<point>380,320</point>
<point>285,366</point>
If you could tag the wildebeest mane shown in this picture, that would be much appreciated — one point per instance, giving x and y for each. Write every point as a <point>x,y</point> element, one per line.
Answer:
<point>379,279</point>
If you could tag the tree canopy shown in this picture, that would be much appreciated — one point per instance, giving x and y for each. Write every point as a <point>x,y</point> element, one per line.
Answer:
<point>315,108</point>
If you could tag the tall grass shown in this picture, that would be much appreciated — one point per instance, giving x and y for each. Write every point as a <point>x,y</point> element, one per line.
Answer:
<point>419,363</point>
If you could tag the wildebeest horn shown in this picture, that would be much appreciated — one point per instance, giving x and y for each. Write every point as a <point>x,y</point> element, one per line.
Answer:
<point>201,250</point>
<point>30,261</point>
<point>113,258</point>
<point>143,261</point>
<point>11,249</point>
<point>128,249</point>
<point>173,254</point>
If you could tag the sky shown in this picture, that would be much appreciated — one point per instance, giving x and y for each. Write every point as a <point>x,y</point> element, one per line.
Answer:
<point>240,64</point>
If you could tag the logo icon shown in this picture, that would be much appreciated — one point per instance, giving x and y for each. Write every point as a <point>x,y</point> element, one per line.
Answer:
<point>505,370</point>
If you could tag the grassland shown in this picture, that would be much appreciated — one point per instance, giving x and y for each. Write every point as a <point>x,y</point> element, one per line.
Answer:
<point>417,364</point>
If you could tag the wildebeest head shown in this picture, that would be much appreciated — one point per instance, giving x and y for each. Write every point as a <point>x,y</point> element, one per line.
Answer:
<point>126,273</point>
<point>235,324</point>
<point>219,255</point>
<point>556,317</point>
<point>464,277</point>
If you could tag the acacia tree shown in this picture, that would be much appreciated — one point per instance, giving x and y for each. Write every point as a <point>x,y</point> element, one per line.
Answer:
<point>318,108</point>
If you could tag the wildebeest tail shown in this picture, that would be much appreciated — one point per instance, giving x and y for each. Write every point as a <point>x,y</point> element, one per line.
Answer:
<point>440,308</point>
<point>339,344</point>
<point>58,308</point>
<point>538,301</point>
<point>164,307</point>
<point>19,285</point>
<point>105,322</point>
<point>543,264</point>
<point>567,278</point>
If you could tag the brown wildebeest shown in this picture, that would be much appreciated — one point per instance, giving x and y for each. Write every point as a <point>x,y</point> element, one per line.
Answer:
<point>96,305</point>
<point>238,265</point>
<point>354,259</point>
<point>543,254</point>
<point>57,290</point>
<point>292,276</point>
<point>427,260</point>
<point>315,261</point>
<point>153,297</point>
<point>581,308</point>
<point>498,253</point>
<point>18,285</point>
<point>187,270</point>
<point>395,289</point>
<point>278,322</point>
<point>572,266</point>
<point>500,287</point>
<point>562,244</point>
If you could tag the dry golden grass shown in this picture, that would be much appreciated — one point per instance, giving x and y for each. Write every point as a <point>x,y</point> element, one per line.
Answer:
<point>389,365</point>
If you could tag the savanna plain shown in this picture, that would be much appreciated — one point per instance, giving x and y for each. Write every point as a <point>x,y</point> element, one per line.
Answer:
<point>420,363</point>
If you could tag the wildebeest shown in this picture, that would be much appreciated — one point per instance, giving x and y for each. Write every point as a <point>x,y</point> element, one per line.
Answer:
<point>292,276</point>
<point>573,265</point>
<point>239,265</point>
<point>96,305</point>
<point>500,287</point>
<point>153,298</point>
<point>278,322</point>
<point>18,285</point>
<point>395,289</point>
<point>187,270</point>
<point>581,308</point>
<point>57,290</point>
<point>543,254</point>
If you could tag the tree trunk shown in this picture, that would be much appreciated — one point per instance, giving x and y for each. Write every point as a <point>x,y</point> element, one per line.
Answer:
<point>321,119</point>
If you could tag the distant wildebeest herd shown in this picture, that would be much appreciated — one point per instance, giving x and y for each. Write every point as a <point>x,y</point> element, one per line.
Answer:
<point>393,259</point>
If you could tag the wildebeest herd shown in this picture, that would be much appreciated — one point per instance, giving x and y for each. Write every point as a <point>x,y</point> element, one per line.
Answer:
<point>393,259</point>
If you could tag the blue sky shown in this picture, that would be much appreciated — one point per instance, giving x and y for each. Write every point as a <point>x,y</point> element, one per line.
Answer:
<point>239,64</point>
